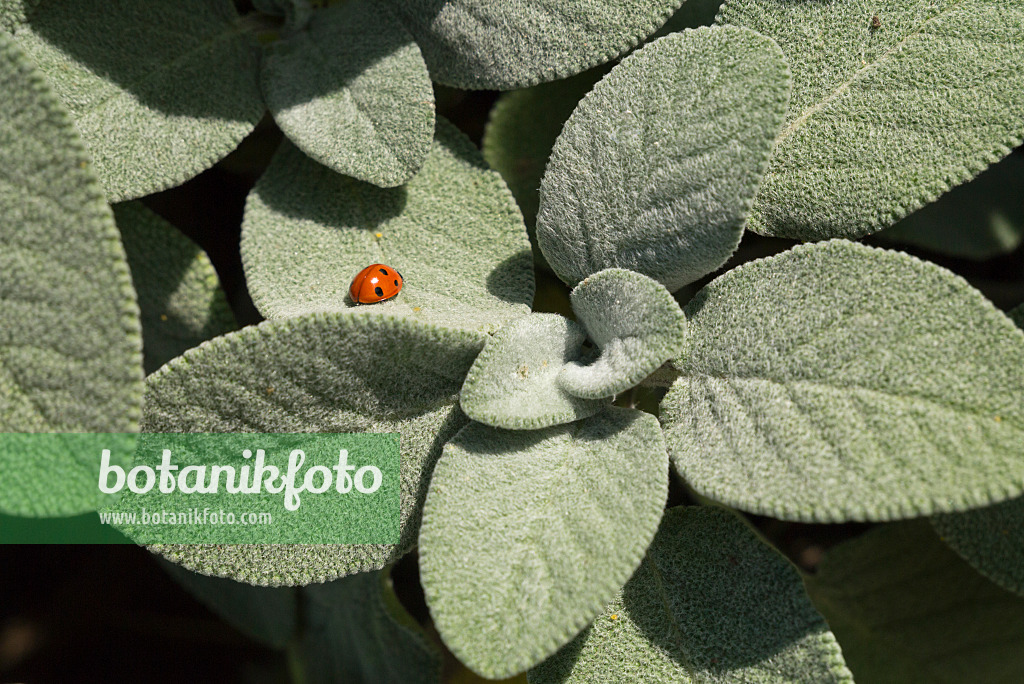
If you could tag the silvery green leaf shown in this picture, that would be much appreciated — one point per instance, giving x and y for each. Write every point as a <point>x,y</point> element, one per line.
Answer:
<point>978,220</point>
<point>453,232</point>
<point>180,298</point>
<point>526,534</point>
<point>885,115</point>
<point>352,92</point>
<point>839,382</point>
<point>358,633</point>
<point>159,90</point>
<point>710,603</point>
<point>70,343</point>
<point>513,383</point>
<point>267,614</point>
<point>635,323</point>
<point>478,44</point>
<point>656,168</point>
<point>318,373</point>
<point>907,609</point>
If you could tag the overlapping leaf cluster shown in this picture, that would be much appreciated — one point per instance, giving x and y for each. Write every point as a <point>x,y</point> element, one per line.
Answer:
<point>833,382</point>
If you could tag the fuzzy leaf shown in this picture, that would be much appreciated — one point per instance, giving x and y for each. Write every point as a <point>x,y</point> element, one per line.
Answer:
<point>839,382</point>
<point>180,297</point>
<point>991,538</point>
<point>70,344</point>
<point>658,179</point>
<point>545,527</point>
<point>978,220</point>
<point>453,232</point>
<point>478,44</point>
<point>359,633</point>
<point>353,93</point>
<point>710,603</point>
<point>906,609</point>
<point>635,323</point>
<point>317,373</point>
<point>159,90</point>
<point>884,120</point>
<point>266,614</point>
<point>513,383</point>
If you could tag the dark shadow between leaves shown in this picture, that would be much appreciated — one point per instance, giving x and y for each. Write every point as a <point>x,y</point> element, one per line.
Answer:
<point>124,41</point>
<point>512,280</point>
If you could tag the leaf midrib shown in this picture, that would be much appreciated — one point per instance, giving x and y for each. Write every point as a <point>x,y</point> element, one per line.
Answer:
<point>792,127</point>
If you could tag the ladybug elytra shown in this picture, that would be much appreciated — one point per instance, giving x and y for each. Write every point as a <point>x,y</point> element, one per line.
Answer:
<point>375,283</point>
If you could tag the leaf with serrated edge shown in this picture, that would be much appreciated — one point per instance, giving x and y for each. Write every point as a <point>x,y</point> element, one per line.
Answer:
<point>991,538</point>
<point>656,168</point>
<point>839,382</point>
<point>710,603</point>
<point>453,232</point>
<point>180,298</point>
<point>546,527</point>
<point>513,384</point>
<point>884,120</point>
<point>70,344</point>
<point>178,78</point>
<point>906,609</point>
<point>266,614</point>
<point>978,220</point>
<point>318,373</point>
<point>479,44</point>
<point>352,91</point>
<point>357,631</point>
<point>635,323</point>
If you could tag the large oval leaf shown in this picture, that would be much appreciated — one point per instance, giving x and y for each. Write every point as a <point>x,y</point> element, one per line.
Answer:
<point>527,534</point>
<point>839,382</point>
<point>906,609</point>
<point>318,373</point>
<point>159,90</point>
<point>886,115</point>
<point>180,298</point>
<point>473,44</point>
<point>710,603</point>
<point>70,344</point>
<point>351,91</point>
<point>658,179</point>
<point>453,232</point>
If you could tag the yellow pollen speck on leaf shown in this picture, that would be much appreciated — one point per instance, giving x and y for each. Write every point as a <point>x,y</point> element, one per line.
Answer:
<point>163,317</point>
<point>615,616</point>
<point>999,419</point>
<point>379,235</point>
<point>415,308</point>
<point>270,390</point>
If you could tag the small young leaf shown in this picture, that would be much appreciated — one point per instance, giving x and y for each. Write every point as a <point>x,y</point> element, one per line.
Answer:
<point>479,44</point>
<point>70,343</point>
<point>906,609</point>
<point>352,92</point>
<point>709,603</point>
<point>513,383</point>
<point>839,382</point>
<point>180,297</point>
<point>453,232</point>
<point>267,614</point>
<point>317,373</point>
<point>658,179</point>
<point>546,526</point>
<point>978,220</point>
<point>358,632</point>
<point>635,323</point>
<point>887,115</point>
<point>159,90</point>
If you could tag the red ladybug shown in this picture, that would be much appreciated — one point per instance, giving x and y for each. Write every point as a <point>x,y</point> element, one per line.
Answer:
<point>375,283</point>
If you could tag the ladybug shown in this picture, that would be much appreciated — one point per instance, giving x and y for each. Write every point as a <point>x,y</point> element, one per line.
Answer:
<point>375,283</point>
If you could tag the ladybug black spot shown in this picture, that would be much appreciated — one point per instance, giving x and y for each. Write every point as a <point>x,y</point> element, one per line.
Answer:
<point>383,270</point>
<point>396,283</point>
<point>380,292</point>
